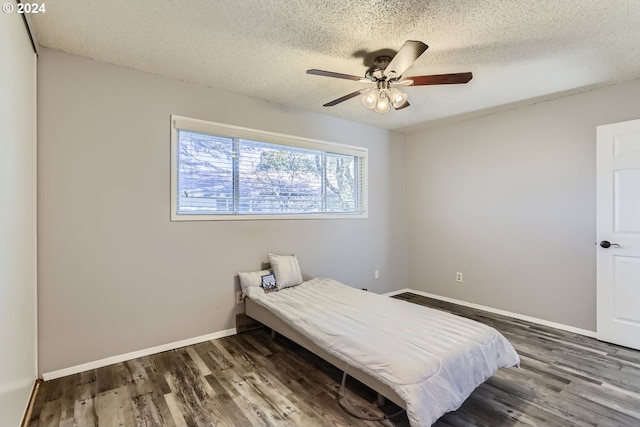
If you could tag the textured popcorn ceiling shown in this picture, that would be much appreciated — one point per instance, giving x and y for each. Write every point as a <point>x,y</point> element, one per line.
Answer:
<point>519,51</point>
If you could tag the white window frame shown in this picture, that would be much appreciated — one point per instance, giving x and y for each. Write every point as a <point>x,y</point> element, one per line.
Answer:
<point>212,128</point>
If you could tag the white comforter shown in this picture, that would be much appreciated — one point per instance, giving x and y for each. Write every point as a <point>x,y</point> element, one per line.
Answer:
<point>432,359</point>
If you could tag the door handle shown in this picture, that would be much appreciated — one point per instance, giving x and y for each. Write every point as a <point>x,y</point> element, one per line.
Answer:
<point>606,244</point>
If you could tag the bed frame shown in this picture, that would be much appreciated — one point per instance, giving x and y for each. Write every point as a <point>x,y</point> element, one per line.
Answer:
<point>267,318</point>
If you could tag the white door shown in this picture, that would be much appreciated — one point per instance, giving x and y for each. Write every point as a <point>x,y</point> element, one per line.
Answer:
<point>618,233</point>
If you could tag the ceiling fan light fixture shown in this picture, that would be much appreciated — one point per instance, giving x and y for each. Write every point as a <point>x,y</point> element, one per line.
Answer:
<point>384,104</point>
<point>398,98</point>
<point>370,99</point>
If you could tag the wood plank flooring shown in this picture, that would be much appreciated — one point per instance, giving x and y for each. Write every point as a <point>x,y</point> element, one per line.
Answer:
<point>252,380</point>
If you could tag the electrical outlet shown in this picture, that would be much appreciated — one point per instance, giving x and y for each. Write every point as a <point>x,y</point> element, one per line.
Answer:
<point>376,274</point>
<point>239,297</point>
<point>459,277</point>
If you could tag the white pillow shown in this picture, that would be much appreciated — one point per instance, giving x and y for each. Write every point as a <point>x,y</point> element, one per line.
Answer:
<point>286,269</point>
<point>252,278</point>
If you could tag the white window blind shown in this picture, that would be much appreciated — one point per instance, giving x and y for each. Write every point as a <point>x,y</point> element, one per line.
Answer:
<point>225,172</point>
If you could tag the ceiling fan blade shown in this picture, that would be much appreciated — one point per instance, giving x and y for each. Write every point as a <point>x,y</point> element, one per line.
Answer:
<point>346,97</point>
<point>440,79</point>
<point>406,56</point>
<point>336,75</point>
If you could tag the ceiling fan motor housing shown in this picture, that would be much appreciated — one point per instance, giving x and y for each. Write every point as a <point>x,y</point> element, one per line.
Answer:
<point>375,72</point>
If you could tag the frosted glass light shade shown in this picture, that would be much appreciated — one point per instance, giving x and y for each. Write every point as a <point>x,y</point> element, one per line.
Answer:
<point>397,97</point>
<point>370,99</point>
<point>383,105</point>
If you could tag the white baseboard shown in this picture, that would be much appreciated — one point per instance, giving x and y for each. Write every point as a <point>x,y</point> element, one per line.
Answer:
<point>135,354</point>
<point>542,322</point>
<point>398,292</point>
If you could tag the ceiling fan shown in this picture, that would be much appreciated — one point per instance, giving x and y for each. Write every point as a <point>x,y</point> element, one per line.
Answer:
<point>386,73</point>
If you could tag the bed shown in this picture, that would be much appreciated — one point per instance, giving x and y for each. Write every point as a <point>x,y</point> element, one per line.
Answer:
<point>424,360</point>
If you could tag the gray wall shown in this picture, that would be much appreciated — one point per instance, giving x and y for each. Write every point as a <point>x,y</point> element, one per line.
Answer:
<point>509,200</point>
<point>115,275</point>
<point>17,219</point>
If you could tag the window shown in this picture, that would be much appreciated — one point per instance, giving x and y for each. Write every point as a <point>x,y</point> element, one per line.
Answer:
<point>227,172</point>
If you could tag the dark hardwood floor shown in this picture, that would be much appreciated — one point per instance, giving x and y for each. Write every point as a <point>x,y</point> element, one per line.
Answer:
<point>252,380</point>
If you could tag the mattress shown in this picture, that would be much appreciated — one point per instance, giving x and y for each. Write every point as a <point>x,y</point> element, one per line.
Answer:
<point>433,360</point>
